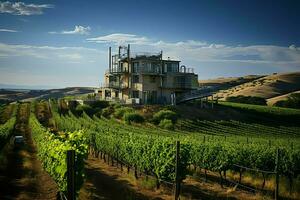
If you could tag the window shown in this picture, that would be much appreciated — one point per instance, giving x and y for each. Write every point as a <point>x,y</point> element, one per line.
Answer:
<point>135,94</point>
<point>156,66</point>
<point>135,79</point>
<point>112,79</point>
<point>172,67</point>
<point>121,67</point>
<point>135,67</point>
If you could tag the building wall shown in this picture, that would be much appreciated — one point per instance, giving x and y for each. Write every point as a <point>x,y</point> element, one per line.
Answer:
<point>150,82</point>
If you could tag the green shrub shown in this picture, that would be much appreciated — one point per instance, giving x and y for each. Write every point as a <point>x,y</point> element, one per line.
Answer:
<point>99,104</point>
<point>84,108</point>
<point>98,113</point>
<point>165,114</point>
<point>166,124</point>
<point>116,105</point>
<point>133,117</point>
<point>106,112</point>
<point>170,107</point>
<point>247,100</point>
<point>119,112</point>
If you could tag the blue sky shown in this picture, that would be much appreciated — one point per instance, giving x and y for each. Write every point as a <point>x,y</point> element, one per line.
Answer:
<point>64,43</point>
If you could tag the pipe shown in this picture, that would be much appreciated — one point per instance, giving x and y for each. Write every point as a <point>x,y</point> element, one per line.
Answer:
<point>109,59</point>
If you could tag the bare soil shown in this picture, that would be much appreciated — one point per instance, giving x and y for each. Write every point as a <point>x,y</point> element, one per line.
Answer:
<point>109,182</point>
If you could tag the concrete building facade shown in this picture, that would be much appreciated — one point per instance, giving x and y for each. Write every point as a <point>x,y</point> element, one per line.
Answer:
<point>145,78</point>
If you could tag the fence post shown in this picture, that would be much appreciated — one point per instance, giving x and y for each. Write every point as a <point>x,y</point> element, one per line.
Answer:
<point>71,174</point>
<point>177,181</point>
<point>277,174</point>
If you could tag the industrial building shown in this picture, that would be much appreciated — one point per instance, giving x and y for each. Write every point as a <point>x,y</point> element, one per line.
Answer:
<point>145,78</point>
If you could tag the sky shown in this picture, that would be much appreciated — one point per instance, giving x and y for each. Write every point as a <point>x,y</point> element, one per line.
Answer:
<point>55,44</point>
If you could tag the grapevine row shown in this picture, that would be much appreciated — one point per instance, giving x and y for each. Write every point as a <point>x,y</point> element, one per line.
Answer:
<point>52,150</point>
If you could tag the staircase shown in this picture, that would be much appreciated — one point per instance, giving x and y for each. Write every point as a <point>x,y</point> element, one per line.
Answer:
<point>194,94</point>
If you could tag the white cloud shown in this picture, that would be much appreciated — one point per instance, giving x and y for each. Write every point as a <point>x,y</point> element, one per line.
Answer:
<point>8,30</point>
<point>80,30</point>
<point>21,8</point>
<point>64,54</point>
<point>120,38</point>
<point>203,51</point>
<point>72,56</point>
<point>294,47</point>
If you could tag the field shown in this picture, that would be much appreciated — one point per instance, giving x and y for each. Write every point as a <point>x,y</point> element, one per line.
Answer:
<point>250,146</point>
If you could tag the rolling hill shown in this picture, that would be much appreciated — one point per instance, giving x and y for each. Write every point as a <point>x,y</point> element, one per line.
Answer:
<point>11,95</point>
<point>272,87</point>
<point>227,82</point>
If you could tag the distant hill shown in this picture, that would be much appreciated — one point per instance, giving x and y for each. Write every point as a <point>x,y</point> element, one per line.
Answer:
<point>228,82</point>
<point>11,95</point>
<point>272,88</point>
<point>25,87</point>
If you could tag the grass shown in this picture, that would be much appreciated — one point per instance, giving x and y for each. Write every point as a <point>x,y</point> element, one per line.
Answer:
<point>255,180</point>
<point>263,109</point>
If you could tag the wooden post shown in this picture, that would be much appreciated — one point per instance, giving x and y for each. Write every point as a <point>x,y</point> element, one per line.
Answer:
<point>201,103</point>
<point>212,101</point>
<point>71,174</point>
<point>277,174</point>
<point>177,178</point>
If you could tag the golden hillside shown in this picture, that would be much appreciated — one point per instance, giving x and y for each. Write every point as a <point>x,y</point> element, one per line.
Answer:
<point>273,100</point>
<point>267,87</point>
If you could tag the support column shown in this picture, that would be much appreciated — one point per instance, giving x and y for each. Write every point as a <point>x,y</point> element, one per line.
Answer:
<point>109,59</point>
<point>119,58</point>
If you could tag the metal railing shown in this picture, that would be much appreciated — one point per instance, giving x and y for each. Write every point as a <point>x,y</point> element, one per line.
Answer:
<point>205,92</point>
<point>145,55</point>
<point>186,70</point>
<point>117,70</point>
<point>114,85</point>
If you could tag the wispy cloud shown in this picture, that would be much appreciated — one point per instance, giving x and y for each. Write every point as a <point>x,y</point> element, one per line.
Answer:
<point>59,65</point>
<point>120,38</point>
<point>8,30</point>
<point>201,51</point>
<point>80,30</point>
<point>21,8</point>
<point>65,54</point>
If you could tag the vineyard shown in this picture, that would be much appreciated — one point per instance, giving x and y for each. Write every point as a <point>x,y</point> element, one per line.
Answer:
<point>214,146</point>
<point>222,147</point>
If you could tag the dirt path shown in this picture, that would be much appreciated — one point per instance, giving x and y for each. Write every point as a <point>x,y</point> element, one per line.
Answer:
<point>23,177</point>
<point>107,182</point>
